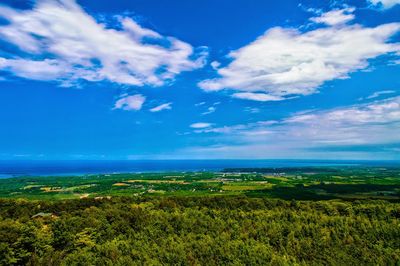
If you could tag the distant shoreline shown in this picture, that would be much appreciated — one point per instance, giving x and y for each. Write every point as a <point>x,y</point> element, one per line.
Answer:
<point>20,168</point>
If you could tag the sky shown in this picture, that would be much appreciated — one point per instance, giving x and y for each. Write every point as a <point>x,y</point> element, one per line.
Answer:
<point>178,79</point>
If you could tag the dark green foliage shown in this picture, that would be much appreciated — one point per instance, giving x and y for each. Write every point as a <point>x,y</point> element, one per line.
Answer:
<point>234,230</point>
<point>291,216</point>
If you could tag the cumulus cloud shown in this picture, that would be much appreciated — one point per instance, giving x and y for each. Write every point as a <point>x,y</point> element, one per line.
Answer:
<point>362,125</point>
<point>284,62</point>
<point>130,102</point>
<point>385,3</point>
<point>59,41</point>
<point>47,69</point>
<point>200,125</point>
<point>165,106</point>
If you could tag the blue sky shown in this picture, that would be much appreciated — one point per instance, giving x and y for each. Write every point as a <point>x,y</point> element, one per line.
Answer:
<point>148,79</point>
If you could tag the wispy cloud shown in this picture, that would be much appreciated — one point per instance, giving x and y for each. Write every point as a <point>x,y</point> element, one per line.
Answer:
<point>200,104</point>
<point>165,106</point>
<point>200,125</point>
<point>357,119</point>
<point>385,3</point>
<point>252,110</point>
<point>210,110</point>
<point>58,40</point>
<point>375,123</point>
<point>379,93</point>
<point>215,64</point>
<point>284,62</point>
<point>130,102</point>
<point>261,97</point>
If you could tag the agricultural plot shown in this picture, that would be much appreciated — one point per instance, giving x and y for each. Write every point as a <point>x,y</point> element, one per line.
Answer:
<point>348,183</point>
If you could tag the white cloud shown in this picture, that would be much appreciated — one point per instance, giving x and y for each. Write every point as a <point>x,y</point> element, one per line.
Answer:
<point>365,124</point>
<point>221,130</point>
<point>375,123</point>
<point>210,110</point>
<point>47,69</point>
<point>62,42</point>
<point>385,3</point>
<point>215,64</point>
<point>285,61</point>
<point>241,129</point>
<point>335,17</point>
<point>165,106</point>
<point>200,125</point>
<point>200,104</point>
<point>379,93</point>
<point>385,111</point>
<point>261,97</point>
<point>130,102</point>
<point>252,110</point>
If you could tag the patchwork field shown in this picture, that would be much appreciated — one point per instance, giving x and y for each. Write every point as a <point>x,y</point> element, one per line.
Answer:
<point>346,183</point>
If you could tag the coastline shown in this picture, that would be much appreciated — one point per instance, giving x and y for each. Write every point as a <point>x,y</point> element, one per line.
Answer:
<point>24,168</point>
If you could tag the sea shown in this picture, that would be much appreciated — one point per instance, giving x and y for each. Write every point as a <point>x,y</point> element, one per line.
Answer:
<point>18,168</point>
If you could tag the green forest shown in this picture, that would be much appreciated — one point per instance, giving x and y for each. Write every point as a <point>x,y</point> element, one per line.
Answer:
<point>242,222</point>
<point>199,231</point>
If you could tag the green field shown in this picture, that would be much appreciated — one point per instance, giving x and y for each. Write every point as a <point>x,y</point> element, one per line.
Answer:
<point>346,183</point>
<point>307,216</point>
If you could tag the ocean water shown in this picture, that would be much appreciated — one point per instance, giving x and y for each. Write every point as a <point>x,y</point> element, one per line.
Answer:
<point>71,167</point>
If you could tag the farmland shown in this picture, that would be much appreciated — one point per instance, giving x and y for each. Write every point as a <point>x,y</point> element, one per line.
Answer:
<point>347,183</point>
